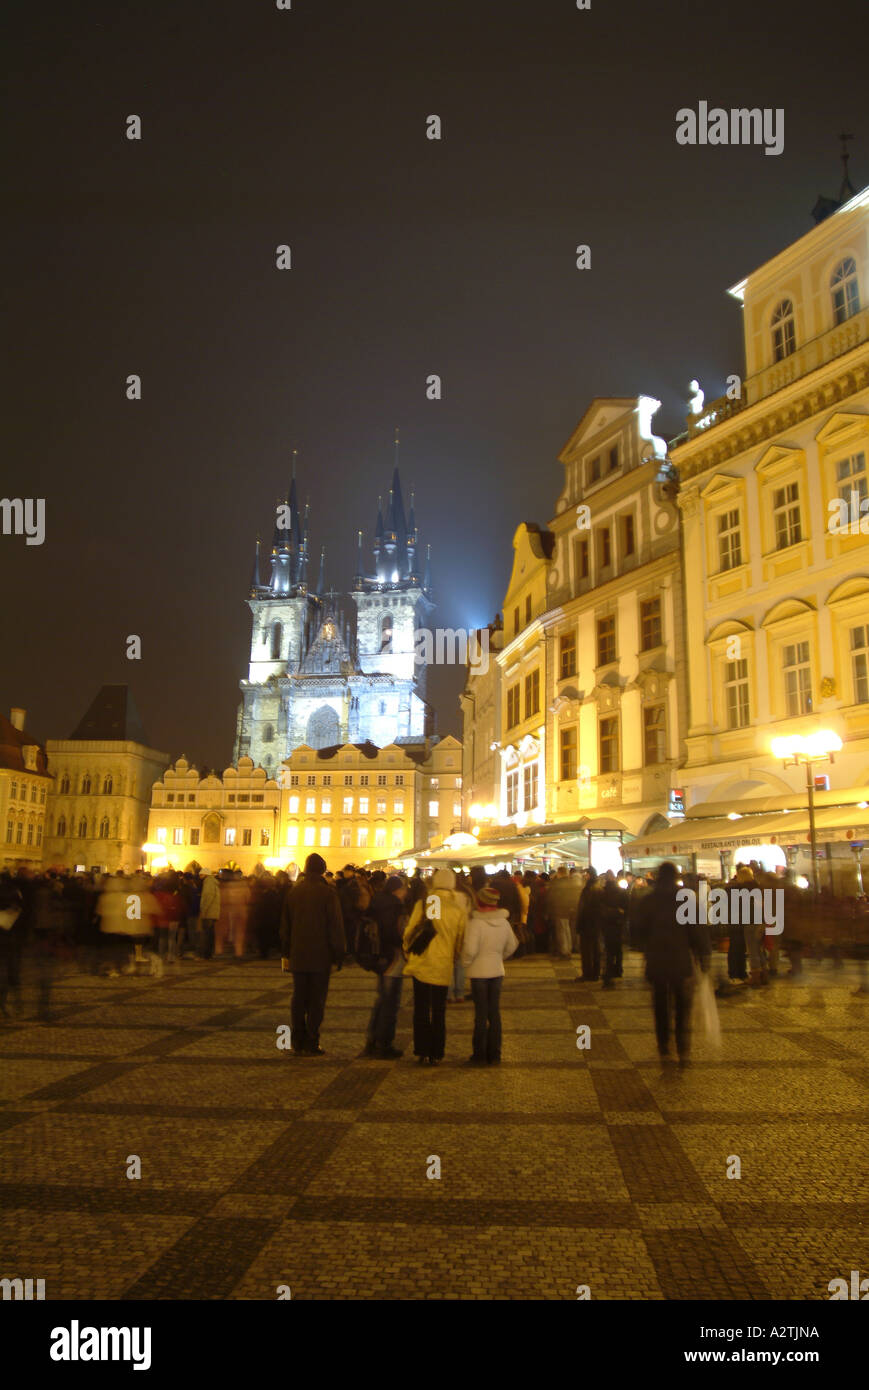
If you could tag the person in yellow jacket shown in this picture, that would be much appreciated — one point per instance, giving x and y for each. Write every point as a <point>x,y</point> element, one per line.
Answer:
<point>437,923</point>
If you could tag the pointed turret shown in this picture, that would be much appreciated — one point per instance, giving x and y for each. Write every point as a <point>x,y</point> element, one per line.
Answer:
<point>426,579</point>
<point>321,578</point>
<point>411,538</point>
<point>359,576</point>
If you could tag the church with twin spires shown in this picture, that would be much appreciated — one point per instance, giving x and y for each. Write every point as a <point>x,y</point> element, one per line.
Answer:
<point>314,676</point>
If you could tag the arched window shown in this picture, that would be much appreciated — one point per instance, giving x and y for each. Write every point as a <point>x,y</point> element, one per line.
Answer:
<point>86,784</point>
<point>64,784</point>
<point>107,785</point>
<point>277,635</point>
<point>386,633</point>
<point>61,827</point>
<point>784,339</point>
<point>846,295</point>
<point>104,828</point>
<point>82,829</point>
<point>268,733</point>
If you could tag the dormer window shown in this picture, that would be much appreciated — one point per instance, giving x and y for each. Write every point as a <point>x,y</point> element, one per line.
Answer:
<point>594,471</point>
<point>784,339</point>
<point>844,289</point>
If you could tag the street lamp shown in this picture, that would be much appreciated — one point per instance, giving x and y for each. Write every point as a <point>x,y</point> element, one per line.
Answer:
<point>808,749</point>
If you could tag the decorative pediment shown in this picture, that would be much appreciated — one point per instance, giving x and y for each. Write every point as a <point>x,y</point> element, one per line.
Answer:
<point>510,754</point>
<point>529,746</point>
<point>840,426</point>
<point>721,483</point>
<point>788,608</point>
<point>857,586</point>
<point>731,627</point>
<point>778,459</point>
<point>652,681</point>
<point>606,695</point>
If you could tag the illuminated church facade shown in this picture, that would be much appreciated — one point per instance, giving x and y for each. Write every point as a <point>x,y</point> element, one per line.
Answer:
<point>317,677</point>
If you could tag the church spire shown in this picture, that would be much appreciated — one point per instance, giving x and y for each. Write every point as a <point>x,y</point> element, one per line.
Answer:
<point>359,576</point>
<point>321,581</point>
<point>256,582</point>
<point>426,579</point>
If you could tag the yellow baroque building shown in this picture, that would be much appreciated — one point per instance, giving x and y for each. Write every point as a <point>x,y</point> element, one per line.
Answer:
<point>775,511</point>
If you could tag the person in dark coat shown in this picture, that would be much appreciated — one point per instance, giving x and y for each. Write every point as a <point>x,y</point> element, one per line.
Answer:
<point>312,941</point>
<point>671,948</point>
<point>390,913</point>
<point>588,927</point>
<point>614,904</point>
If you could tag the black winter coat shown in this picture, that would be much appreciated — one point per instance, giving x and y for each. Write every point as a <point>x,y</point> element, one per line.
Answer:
<point>312,929</point>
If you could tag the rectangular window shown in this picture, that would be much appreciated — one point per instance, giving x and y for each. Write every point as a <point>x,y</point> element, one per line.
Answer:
<point>362,837</point>
<point>594,471</point>
<point>729,540</point>
<point>380,837</point>
<point>310,805</point>
<point>292,834</point>
<point>398,806</point>
<point>513,792</point>
<point>736,694</point>
<point>229,837</point>
<point>786,516</point>
<point>363,805</point>
<point>161,834</point>
<point>243,796</point>
<point>512,706</point>
<point>609,745</point>
<point>324,835</point>
<point>191,796</point>
<point>178,835</point>
<point>397,837</point>
<point>798,678</point>
<point>860,663</point>
<point>532,693</point>
<point>654,734</point>
<point>569,751</point>
<point>348,779</point>
<point>326,806</point>
<point>311,780</point>
<point>606,640</point>
<point>582,558</point>
<point>294,779</point>
<point>38,836</point>
<point>246,836</point>
<point>33,792</point>
<point>529,785</point>
<point>345,836</point>
<point>363,779</point>
<point>434,808</point>
<point>13,791</point>
<point>527,608</point>
<point>347,805</point>
<point>567,655</point>
<point>294,805</point>
<point>399,779</point>
<point>434,784</point>
<point>327,780</point>
<point>10,830</point>
<point>19,833</point>
<point>30,834</point>
<point>309,834</point>
<point>614,459</point>
<point>170,796</point>
<point>628,535</point>
<point>381,806</point>
<point>264,838</point>
<point>257,797</point>
<point>605,547</point>
<point>851,482</point>
<point>515,621</point>
<point>194,837</point>
<point>381,779</point>
<point>650,624</point>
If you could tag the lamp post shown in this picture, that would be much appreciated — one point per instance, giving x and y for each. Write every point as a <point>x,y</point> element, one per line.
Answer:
<point>799,749</point>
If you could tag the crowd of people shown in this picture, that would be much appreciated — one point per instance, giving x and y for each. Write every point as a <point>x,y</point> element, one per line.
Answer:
<point>448,933</point>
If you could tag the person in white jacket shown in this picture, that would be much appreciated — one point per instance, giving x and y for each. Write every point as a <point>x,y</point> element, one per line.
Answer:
<point>489,939</point>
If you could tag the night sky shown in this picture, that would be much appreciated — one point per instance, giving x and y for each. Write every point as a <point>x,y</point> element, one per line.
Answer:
<point>410,257</point>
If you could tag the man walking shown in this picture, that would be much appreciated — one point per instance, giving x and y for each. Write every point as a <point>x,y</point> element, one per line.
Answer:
<point>671,948</point>
<point>312,941</point>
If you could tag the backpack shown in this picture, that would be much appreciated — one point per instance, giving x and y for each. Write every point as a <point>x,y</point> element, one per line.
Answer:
<point>366,946</point>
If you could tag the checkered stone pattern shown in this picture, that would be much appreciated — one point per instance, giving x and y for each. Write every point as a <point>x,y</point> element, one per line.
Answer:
<point>564,1167</point>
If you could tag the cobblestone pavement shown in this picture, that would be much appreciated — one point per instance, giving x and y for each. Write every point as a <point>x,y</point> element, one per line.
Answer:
<point>563,1167</point>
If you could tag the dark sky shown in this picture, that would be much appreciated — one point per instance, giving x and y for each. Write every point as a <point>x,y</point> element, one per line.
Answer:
<point>410,257</point>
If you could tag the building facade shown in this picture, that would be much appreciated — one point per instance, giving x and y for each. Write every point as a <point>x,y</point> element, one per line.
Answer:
<point>97,811</point>
<point>775,506</point>
<point>480,703</point>
<point>315,677</point>
<point>24,786</point>
<point>217,822</point>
